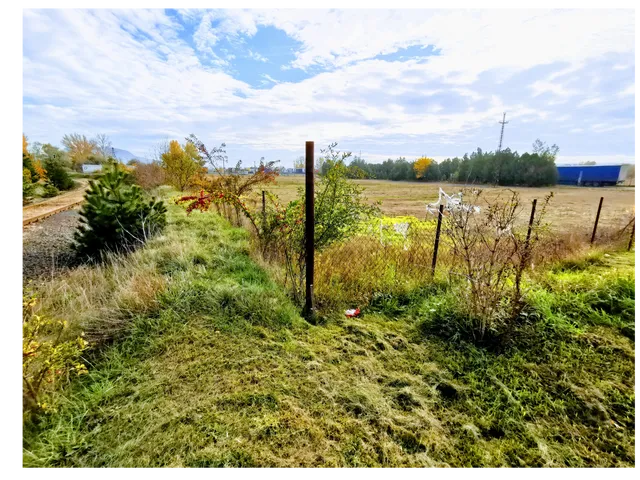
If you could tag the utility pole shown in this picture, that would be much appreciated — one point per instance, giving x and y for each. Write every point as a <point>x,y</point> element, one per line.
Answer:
<point>503,123</point>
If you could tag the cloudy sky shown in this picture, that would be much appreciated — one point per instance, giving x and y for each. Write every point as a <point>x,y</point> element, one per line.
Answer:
<point>381,82</point>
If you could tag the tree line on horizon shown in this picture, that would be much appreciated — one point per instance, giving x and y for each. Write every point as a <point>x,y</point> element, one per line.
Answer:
<point>504,167</point>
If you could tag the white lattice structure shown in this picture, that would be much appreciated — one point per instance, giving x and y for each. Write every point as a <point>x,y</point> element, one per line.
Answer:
<point>451,203</point>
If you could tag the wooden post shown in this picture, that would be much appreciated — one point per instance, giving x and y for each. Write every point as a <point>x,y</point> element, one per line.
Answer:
<point>309,230</point>
<point>435,246</point>
<point>633,231</point>
<point>595,225</point>
<point>264,211</point>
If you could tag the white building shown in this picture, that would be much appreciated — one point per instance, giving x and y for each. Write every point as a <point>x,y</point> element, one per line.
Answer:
<point>88,168</point>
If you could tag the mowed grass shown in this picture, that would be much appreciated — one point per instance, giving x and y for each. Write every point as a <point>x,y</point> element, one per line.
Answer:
<point>222,372</point>
<point>571,206</point>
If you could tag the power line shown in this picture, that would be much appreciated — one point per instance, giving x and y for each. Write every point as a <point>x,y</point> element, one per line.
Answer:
<point>503,123</point>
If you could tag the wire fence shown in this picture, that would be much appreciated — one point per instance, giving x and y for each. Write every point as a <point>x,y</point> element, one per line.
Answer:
<point>392,255</point>
<point>396,255</point>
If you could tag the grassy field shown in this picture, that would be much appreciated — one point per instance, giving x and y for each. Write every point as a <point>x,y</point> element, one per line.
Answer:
<point>212,366</point>
<point>570,207</point>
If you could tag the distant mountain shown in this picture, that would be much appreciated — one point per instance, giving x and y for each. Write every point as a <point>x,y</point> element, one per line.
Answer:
<point>124,156</point>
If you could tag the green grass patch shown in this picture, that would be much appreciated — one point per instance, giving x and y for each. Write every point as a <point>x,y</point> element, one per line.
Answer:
<point>224,373</point>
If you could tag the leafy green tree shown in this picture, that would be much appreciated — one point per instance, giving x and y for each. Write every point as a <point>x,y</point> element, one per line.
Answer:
<point>57,174</point>
<point>339,208</point>
<point>27,185</point>
<point>116,216</point>
<point>51,152</point>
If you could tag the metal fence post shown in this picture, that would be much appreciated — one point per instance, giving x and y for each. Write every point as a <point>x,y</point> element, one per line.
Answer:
<point>533,214</point>
<point>633,231</point>
<point>309,230</point>
<point>595,225</point>
<point>437,243</point>
<point>525,254</point>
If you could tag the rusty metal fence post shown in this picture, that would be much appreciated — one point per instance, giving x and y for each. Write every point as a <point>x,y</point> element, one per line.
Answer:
<point>595,225</point>
<point>437,242</point>
<point>533,214</point>
<point>525,254</point>
<point>309,230</point>
<point>264,210</point>
<point>633,231</point>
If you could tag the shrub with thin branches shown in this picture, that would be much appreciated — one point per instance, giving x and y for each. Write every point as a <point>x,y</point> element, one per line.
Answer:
<point>493,254</point>
<point>149,175</point>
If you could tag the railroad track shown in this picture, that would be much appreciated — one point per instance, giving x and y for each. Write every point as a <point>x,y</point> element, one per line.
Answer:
<point>41,216</point>
<point>40,211</point>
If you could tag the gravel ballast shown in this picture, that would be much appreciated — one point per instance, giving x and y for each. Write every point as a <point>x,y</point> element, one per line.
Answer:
<point>46,245</point>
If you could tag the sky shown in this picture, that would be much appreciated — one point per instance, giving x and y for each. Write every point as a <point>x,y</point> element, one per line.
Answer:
<point>381,83</point>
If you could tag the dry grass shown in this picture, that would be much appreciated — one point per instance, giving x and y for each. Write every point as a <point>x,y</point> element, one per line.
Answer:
<point>101,299</point>
<point>571,206</point>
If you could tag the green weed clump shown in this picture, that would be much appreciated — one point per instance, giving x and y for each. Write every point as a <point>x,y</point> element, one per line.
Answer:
<point>594,291</point>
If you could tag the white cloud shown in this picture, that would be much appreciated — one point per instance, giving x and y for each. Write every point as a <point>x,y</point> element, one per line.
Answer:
<point>131,70</point>
<point>608,127</point>
<point>591,101</point>
<point>257,56</point>
<point>470,41</point>
<point>630,90</point>
<point>270,79</point>
<point>541,86</point>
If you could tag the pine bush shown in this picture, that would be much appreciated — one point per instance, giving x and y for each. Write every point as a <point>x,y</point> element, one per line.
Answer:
<point>116,216</point>
<point>50,190</point>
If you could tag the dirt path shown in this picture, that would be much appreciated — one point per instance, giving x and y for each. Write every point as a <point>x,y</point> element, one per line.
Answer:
<point>32,213</point>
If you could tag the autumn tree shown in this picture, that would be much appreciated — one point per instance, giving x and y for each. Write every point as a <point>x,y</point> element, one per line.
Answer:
<point>36,172</point>
<point>182,164</point>
<point>37,157</point>
<point>79,148</point>
<point>421,165</point>
<point>23,144</point>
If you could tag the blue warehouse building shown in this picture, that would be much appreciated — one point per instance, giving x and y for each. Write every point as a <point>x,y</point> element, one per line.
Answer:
<point>592,175</point>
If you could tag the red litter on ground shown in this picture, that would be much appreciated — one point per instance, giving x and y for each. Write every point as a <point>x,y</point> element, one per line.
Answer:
<point>353,312</point>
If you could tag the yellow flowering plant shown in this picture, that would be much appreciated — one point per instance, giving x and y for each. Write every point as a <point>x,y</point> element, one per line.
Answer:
<point>49,354</point>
